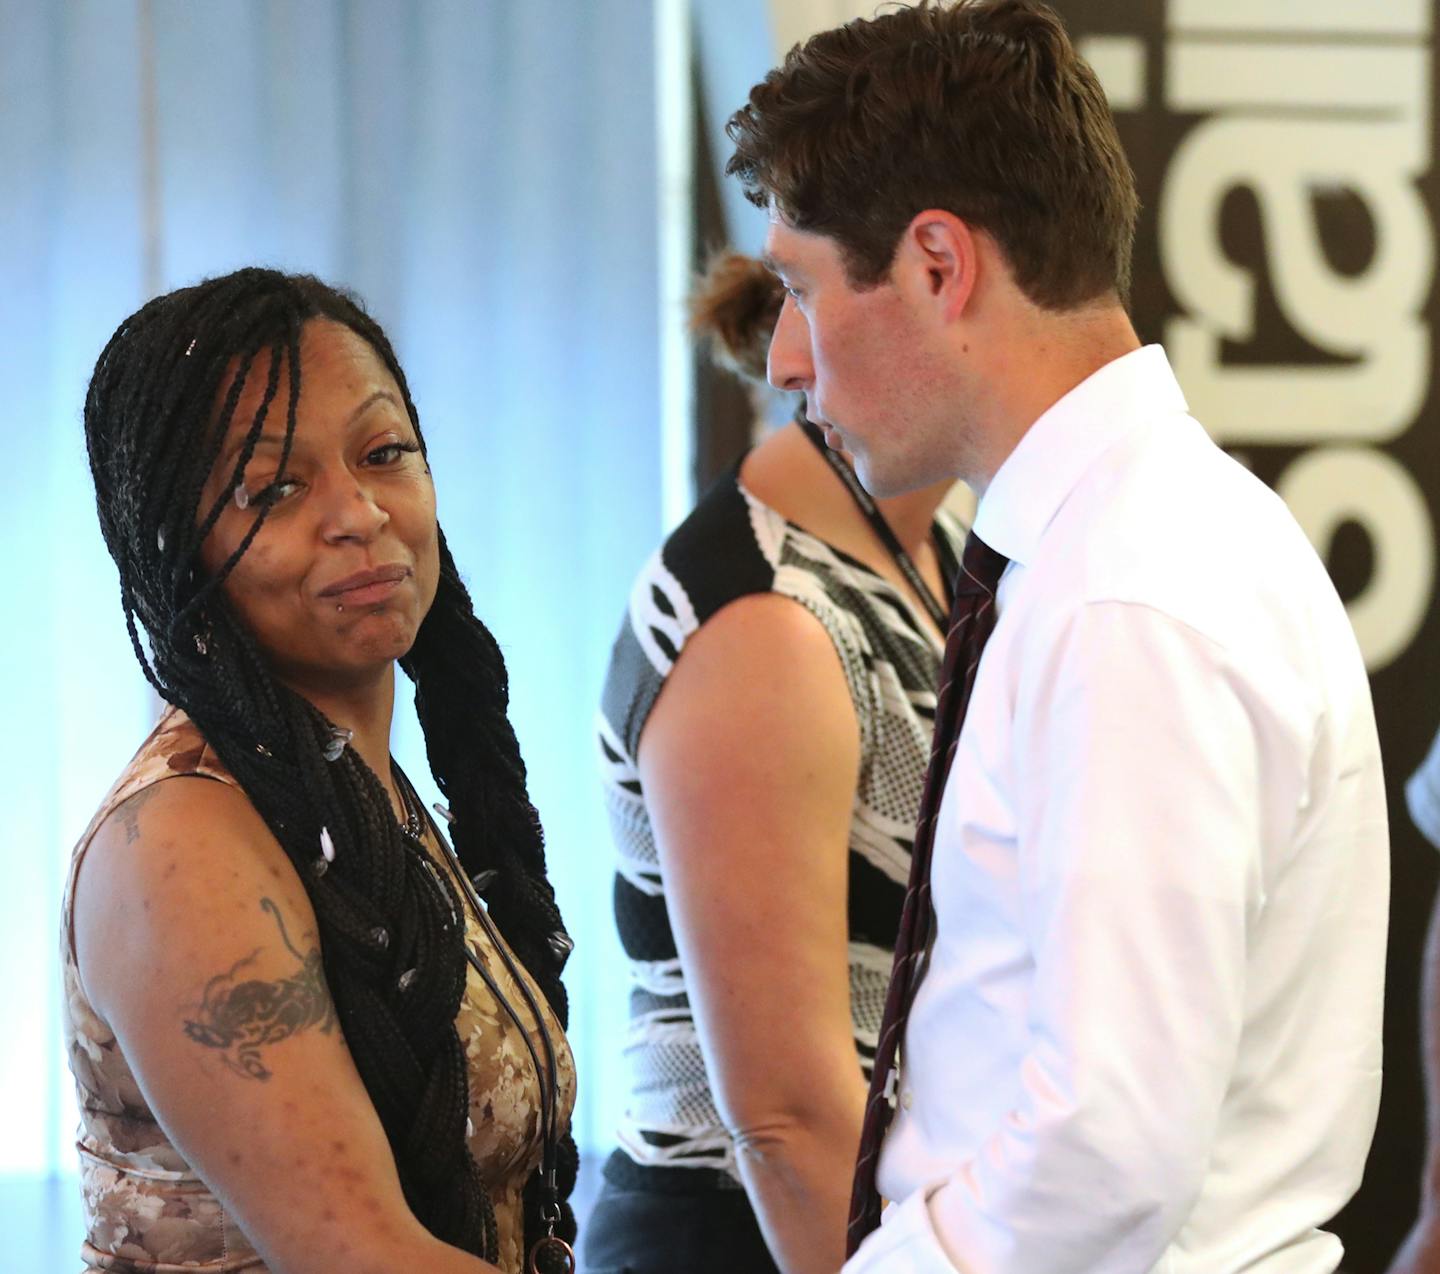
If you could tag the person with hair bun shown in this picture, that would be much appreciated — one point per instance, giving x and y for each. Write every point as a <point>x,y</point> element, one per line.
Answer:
<point>764,731</point>
<point>307,1035</point>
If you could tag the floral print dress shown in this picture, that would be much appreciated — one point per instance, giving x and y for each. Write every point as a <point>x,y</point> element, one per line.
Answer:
<point>147,1212</point>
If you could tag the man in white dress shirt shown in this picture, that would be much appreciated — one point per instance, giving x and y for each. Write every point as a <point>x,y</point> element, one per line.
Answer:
<point>1147,1033</point>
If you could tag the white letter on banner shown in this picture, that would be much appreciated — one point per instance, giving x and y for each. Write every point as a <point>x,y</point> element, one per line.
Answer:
<point>1374,316</point>
<point>1332,485</point>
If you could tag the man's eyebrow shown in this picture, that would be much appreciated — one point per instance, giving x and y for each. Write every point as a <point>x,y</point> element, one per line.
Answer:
<point>789,274</point>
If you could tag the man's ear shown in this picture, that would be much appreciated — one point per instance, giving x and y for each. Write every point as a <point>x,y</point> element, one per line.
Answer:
<point>941,256</point>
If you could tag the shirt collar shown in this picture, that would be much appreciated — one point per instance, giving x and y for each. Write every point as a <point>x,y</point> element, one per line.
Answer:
<point>1054,453</point>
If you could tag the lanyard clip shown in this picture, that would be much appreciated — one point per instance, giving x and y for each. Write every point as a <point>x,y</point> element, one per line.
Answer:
<point>892,1081</point>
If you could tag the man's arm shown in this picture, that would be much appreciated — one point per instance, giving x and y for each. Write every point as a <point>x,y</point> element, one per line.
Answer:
<point>749,763</point>
<point>1139,768</point>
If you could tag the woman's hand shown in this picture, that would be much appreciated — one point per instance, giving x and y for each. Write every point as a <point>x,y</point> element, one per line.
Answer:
<point>748,763</point>
<point>197,944</point>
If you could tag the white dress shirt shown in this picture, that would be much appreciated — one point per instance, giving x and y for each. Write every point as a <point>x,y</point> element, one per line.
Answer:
<point>1148,1038</point>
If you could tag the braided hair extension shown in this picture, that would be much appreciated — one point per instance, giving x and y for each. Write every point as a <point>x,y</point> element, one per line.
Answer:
<point>159,405</point>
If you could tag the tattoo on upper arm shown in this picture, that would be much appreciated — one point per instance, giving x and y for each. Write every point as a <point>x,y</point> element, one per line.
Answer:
<point>130,812</point>
<point>238,1018</point>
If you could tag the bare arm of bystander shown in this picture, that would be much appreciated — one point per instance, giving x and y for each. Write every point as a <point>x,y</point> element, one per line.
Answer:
<point>749,763</point>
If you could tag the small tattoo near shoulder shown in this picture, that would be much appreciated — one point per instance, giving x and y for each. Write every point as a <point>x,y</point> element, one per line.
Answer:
<point>240,1017</point>
<point>129,812</point>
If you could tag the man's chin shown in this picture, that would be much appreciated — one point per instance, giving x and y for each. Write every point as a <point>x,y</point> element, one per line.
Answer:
<point>880,482</point>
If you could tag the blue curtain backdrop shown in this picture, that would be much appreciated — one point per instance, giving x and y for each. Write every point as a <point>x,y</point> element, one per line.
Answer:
<point>482,173</point>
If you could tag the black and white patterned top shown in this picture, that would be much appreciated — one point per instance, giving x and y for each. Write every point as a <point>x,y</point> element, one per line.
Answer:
<point>733,546</point>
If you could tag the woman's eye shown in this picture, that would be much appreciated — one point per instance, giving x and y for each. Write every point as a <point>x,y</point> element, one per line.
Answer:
<point>390,453</point>
<point>268,496</point>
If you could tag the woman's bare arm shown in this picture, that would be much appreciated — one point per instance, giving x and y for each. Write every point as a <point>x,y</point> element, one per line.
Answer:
<point>749,762</point>
<point>197,944</point>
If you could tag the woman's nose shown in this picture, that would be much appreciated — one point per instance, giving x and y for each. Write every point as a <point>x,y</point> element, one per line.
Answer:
<point>352,512</point>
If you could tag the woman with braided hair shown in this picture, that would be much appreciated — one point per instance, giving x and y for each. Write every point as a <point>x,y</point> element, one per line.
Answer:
<point>301,1039</point>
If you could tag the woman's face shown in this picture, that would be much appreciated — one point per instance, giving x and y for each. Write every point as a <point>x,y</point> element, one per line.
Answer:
<point>335,585</point>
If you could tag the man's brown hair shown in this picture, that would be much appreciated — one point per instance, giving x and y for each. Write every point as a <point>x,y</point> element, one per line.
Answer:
<point>982,108</point>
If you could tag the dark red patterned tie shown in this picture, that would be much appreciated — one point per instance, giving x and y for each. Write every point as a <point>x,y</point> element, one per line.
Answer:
<point>972,619</point>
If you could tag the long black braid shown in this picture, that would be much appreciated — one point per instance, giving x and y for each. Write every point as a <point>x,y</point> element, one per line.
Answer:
<point>163,395</point>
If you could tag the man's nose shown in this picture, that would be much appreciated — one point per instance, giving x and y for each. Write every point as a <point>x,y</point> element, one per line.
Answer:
<point>788,366</point>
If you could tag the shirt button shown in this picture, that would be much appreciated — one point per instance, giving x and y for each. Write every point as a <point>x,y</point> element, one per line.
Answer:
<point>907,1098</point>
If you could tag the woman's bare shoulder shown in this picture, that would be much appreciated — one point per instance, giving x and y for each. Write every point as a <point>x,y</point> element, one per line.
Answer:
<point>176,804</point>
<point>201,825</point>
<point>178,863</point>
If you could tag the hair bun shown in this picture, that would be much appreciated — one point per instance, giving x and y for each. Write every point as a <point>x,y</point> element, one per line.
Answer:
<point>734,308</point>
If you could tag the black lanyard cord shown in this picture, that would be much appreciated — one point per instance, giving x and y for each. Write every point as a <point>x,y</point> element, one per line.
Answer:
<point>865,502</point>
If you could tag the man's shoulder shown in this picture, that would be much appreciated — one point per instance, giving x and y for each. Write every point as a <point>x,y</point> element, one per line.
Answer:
<point>1173,520</point>
<point>1173,524</point>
